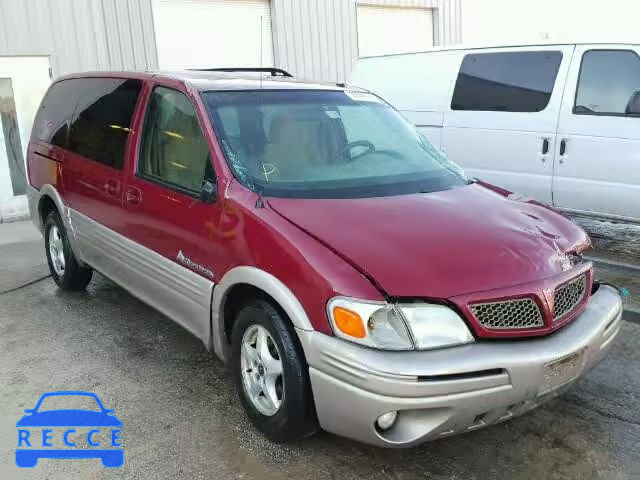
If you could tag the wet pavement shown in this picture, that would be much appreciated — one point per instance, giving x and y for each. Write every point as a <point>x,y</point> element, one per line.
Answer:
<point>182,418</point>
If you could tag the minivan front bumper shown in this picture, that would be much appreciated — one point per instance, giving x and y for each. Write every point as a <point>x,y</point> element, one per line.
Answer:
<point>452,390</point>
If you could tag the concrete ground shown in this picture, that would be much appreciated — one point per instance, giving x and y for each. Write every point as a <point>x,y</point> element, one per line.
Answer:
<point>182,418</point>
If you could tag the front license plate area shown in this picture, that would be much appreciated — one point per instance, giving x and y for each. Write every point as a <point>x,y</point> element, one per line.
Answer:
<point>562,371</point>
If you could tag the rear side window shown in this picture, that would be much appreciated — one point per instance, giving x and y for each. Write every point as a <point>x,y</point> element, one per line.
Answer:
<point>506,82</point>
<point>52,120</point>
<point>102,121</point>
<point>173,150</point>
<point>607,83</point>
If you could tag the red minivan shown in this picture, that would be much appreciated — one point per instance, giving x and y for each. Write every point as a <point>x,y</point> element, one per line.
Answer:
<point>350,275</point>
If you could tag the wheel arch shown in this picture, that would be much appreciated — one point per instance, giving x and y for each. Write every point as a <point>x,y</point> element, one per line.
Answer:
<point>50,198</point>
<point>245,280</point>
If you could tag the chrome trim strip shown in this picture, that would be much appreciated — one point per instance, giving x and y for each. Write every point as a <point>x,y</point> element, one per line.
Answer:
<point>180,294</point>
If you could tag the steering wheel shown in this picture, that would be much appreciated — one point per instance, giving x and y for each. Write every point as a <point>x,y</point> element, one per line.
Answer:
<point>370,148</point>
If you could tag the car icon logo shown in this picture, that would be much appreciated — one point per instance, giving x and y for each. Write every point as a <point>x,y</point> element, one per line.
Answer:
<point>57,433</point>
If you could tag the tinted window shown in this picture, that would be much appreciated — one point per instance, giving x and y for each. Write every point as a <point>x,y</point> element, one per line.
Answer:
<point>100,127</point>
<point>506,82</point>
<point>52,120</point>
<point>173,150</point>
<point>608,79</point>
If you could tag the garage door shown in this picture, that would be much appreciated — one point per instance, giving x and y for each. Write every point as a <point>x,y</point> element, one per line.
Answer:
<point>213,33</point>
<point>385,30</point>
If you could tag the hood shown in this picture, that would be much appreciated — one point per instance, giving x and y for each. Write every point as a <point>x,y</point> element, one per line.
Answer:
<point>442,244</point>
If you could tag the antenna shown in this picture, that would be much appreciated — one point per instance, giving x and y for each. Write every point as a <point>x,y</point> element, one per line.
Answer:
<point>259,118</point>
<point>261,55</point>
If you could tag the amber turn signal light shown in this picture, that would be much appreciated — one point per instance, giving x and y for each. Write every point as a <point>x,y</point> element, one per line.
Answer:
<point>348,322</point>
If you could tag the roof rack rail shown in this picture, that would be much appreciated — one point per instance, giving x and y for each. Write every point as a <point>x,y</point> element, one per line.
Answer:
<point>273,71</point>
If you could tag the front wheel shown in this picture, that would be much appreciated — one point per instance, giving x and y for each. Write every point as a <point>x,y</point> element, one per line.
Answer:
<point>271,374</point>
<point>65,269</point>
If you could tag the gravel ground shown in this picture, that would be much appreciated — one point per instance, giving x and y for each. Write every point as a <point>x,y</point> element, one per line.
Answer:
<point>182,418</point>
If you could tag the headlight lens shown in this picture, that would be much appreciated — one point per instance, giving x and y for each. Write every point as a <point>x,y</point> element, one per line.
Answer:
<point>382,326</point>
<point>435,326</point>
<point>397,327</point>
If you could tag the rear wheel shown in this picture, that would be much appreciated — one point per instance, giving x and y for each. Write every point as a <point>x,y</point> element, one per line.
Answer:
<point>271,373</point>
<point>65,269</point>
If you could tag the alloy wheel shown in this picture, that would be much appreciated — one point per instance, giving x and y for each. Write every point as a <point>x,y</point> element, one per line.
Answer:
<point>262,374</point>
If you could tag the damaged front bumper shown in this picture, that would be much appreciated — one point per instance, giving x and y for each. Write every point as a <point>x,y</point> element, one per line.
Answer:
<point>452,390</point>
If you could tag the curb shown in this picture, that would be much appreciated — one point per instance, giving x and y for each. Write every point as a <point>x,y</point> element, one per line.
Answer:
<point>20,217</point>
<point>631,315</point>
<point>620,266</point>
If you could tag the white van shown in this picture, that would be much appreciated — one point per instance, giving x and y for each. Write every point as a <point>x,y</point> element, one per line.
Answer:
<point>560,123</point>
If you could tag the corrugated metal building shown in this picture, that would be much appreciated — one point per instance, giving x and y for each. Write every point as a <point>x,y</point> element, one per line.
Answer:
<point>315,39</point>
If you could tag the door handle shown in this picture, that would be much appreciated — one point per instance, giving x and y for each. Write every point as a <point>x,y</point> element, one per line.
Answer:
<point>133,195</point>
<point>545,146</point>
<point>563,147</point>
<point>112,187</point>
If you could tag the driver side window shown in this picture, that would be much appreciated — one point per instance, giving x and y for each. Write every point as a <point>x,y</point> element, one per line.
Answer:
<point>173,150</point>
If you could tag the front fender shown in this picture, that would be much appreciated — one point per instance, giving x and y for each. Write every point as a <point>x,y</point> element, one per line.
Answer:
<point>264,281</point>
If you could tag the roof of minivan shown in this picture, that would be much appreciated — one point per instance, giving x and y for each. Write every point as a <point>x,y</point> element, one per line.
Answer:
<point>216,80</point>
<point>505,45</point>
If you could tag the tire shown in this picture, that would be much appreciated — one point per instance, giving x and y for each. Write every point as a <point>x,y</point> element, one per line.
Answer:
<point>295,417</point>
<point>68,274</point>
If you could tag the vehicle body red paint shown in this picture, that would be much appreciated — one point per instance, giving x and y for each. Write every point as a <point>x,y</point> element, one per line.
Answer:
<point>466,244</point>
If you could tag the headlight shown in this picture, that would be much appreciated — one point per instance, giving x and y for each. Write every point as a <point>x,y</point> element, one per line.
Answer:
<point>396,327</point>
<point>434,326</point>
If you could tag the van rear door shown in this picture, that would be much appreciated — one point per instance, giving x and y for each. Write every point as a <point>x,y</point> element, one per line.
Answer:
<point>417,84</point>
<point>93,169</point>
<point>598,153</point>
<point>501,122</point>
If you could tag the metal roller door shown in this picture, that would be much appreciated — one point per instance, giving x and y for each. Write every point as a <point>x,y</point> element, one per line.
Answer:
<point>213,33</point>
<point>387,30</point>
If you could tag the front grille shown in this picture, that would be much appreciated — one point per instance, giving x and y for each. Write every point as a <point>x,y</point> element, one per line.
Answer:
<point>568,296</point>
<point>509,314</point>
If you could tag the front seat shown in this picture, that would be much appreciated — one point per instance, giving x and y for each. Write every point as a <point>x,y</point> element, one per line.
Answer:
<point>292,148</point>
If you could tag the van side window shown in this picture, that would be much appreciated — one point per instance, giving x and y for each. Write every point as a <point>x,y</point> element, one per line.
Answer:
<point>100,127</point>
<point>51,124</point>
<point>173,150</point>
<point>506,81</point>
<point>609,83</point>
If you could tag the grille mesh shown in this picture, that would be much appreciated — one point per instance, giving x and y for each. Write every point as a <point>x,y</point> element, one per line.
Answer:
<point>568,296</point>
<point>510,314</point>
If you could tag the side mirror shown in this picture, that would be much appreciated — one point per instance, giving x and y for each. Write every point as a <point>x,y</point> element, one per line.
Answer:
<point>633,106</point>
<point>208,192</point>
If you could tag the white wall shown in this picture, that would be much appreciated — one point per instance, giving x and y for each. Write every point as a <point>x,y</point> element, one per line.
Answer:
<point>498,22</point>
<point>318,39</point>
<point>80,35</point>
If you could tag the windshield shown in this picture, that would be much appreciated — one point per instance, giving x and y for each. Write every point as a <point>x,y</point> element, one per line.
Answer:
<point>325,144</point>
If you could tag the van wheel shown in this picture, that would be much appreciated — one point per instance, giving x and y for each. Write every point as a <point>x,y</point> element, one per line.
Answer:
<point>63,265</point>
<point>271,374</point>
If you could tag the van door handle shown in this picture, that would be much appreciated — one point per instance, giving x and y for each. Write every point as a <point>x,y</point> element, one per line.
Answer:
<point>563,147</point>
<point>133,195</point>
<point>112,187</point>
<point>545,146</point>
